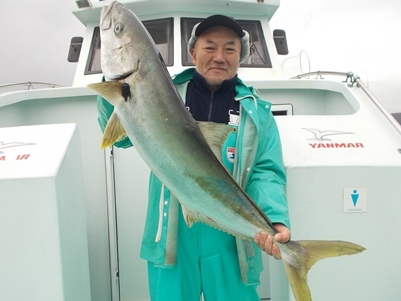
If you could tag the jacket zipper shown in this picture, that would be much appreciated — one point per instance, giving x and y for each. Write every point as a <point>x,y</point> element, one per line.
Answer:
<point>209,118</point>
<point>161,210</point>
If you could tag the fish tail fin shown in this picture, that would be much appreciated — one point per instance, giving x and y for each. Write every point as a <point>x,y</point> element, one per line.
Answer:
<point>305,254</point>
<point>298,282</point>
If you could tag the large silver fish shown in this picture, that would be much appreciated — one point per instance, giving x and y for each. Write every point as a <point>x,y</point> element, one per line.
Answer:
<point>150,111</point>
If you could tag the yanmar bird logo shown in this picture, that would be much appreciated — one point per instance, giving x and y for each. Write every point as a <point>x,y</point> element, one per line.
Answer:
<point>322,136</point>
<point>7,145</point>
<point>4,145</point>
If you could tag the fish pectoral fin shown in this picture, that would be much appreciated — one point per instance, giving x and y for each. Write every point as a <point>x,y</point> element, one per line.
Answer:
<point>304,254</point>
<point>113,132</point>
<point>112,91</point>
<point>215,135</point>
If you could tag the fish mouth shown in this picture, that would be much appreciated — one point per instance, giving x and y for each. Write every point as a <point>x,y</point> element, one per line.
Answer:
<point>105,19</point>
<point>122,76</point>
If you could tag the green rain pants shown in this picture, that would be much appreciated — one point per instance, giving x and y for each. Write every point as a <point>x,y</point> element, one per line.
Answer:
<point>207,263</point>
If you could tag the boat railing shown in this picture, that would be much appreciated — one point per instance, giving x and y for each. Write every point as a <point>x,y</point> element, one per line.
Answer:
<point>352,79</point>
<point>319,75</point>
<point>393,121</point>
<point>26,86</point>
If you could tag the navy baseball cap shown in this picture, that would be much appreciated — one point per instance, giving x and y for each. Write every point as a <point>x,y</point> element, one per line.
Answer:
<point>219,20</point>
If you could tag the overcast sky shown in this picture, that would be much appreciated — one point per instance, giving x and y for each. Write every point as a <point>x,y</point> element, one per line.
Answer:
<point>35,36</point>
<point>362,36</point>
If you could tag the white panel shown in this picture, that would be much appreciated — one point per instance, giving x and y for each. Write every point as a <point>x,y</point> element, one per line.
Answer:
<point>316,209</point>
<point>44,253</point>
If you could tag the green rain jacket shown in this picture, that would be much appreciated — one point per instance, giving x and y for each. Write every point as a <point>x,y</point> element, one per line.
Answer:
<point>258,168</point>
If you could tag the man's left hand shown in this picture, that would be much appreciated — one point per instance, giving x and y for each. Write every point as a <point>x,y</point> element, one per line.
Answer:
<point>266,242</point>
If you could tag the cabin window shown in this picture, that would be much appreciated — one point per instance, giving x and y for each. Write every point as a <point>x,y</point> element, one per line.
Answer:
<point>93,62</point>
<point>282,109</point>
<point>161,31</point>
<point>259,55</point>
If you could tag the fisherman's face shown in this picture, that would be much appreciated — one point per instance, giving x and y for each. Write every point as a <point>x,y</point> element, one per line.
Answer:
<point>216,55</point>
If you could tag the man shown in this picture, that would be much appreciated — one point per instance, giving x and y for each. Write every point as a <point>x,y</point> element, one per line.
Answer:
<point>183,262</point>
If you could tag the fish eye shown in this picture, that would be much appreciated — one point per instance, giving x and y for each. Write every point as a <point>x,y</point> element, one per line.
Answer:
<point>118,28</point>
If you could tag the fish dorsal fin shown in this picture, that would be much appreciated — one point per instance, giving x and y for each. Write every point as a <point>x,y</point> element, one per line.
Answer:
<point>215,135</point>
<point>114,131</point>
<point>191,217</point>
<point>112,91</point>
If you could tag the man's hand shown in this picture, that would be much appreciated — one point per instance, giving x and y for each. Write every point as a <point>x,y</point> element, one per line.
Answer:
<point>265,241</point>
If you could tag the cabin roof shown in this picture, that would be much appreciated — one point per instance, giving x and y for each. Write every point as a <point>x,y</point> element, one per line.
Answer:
<point>237,8</point>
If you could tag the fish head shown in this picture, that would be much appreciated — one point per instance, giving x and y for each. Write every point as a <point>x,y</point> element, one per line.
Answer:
<point>126,50</point>
<point>129,58</point>
<point>122,38</point>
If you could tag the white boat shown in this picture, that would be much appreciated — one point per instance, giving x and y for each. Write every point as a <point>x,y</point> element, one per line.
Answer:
<point>72,215</point>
